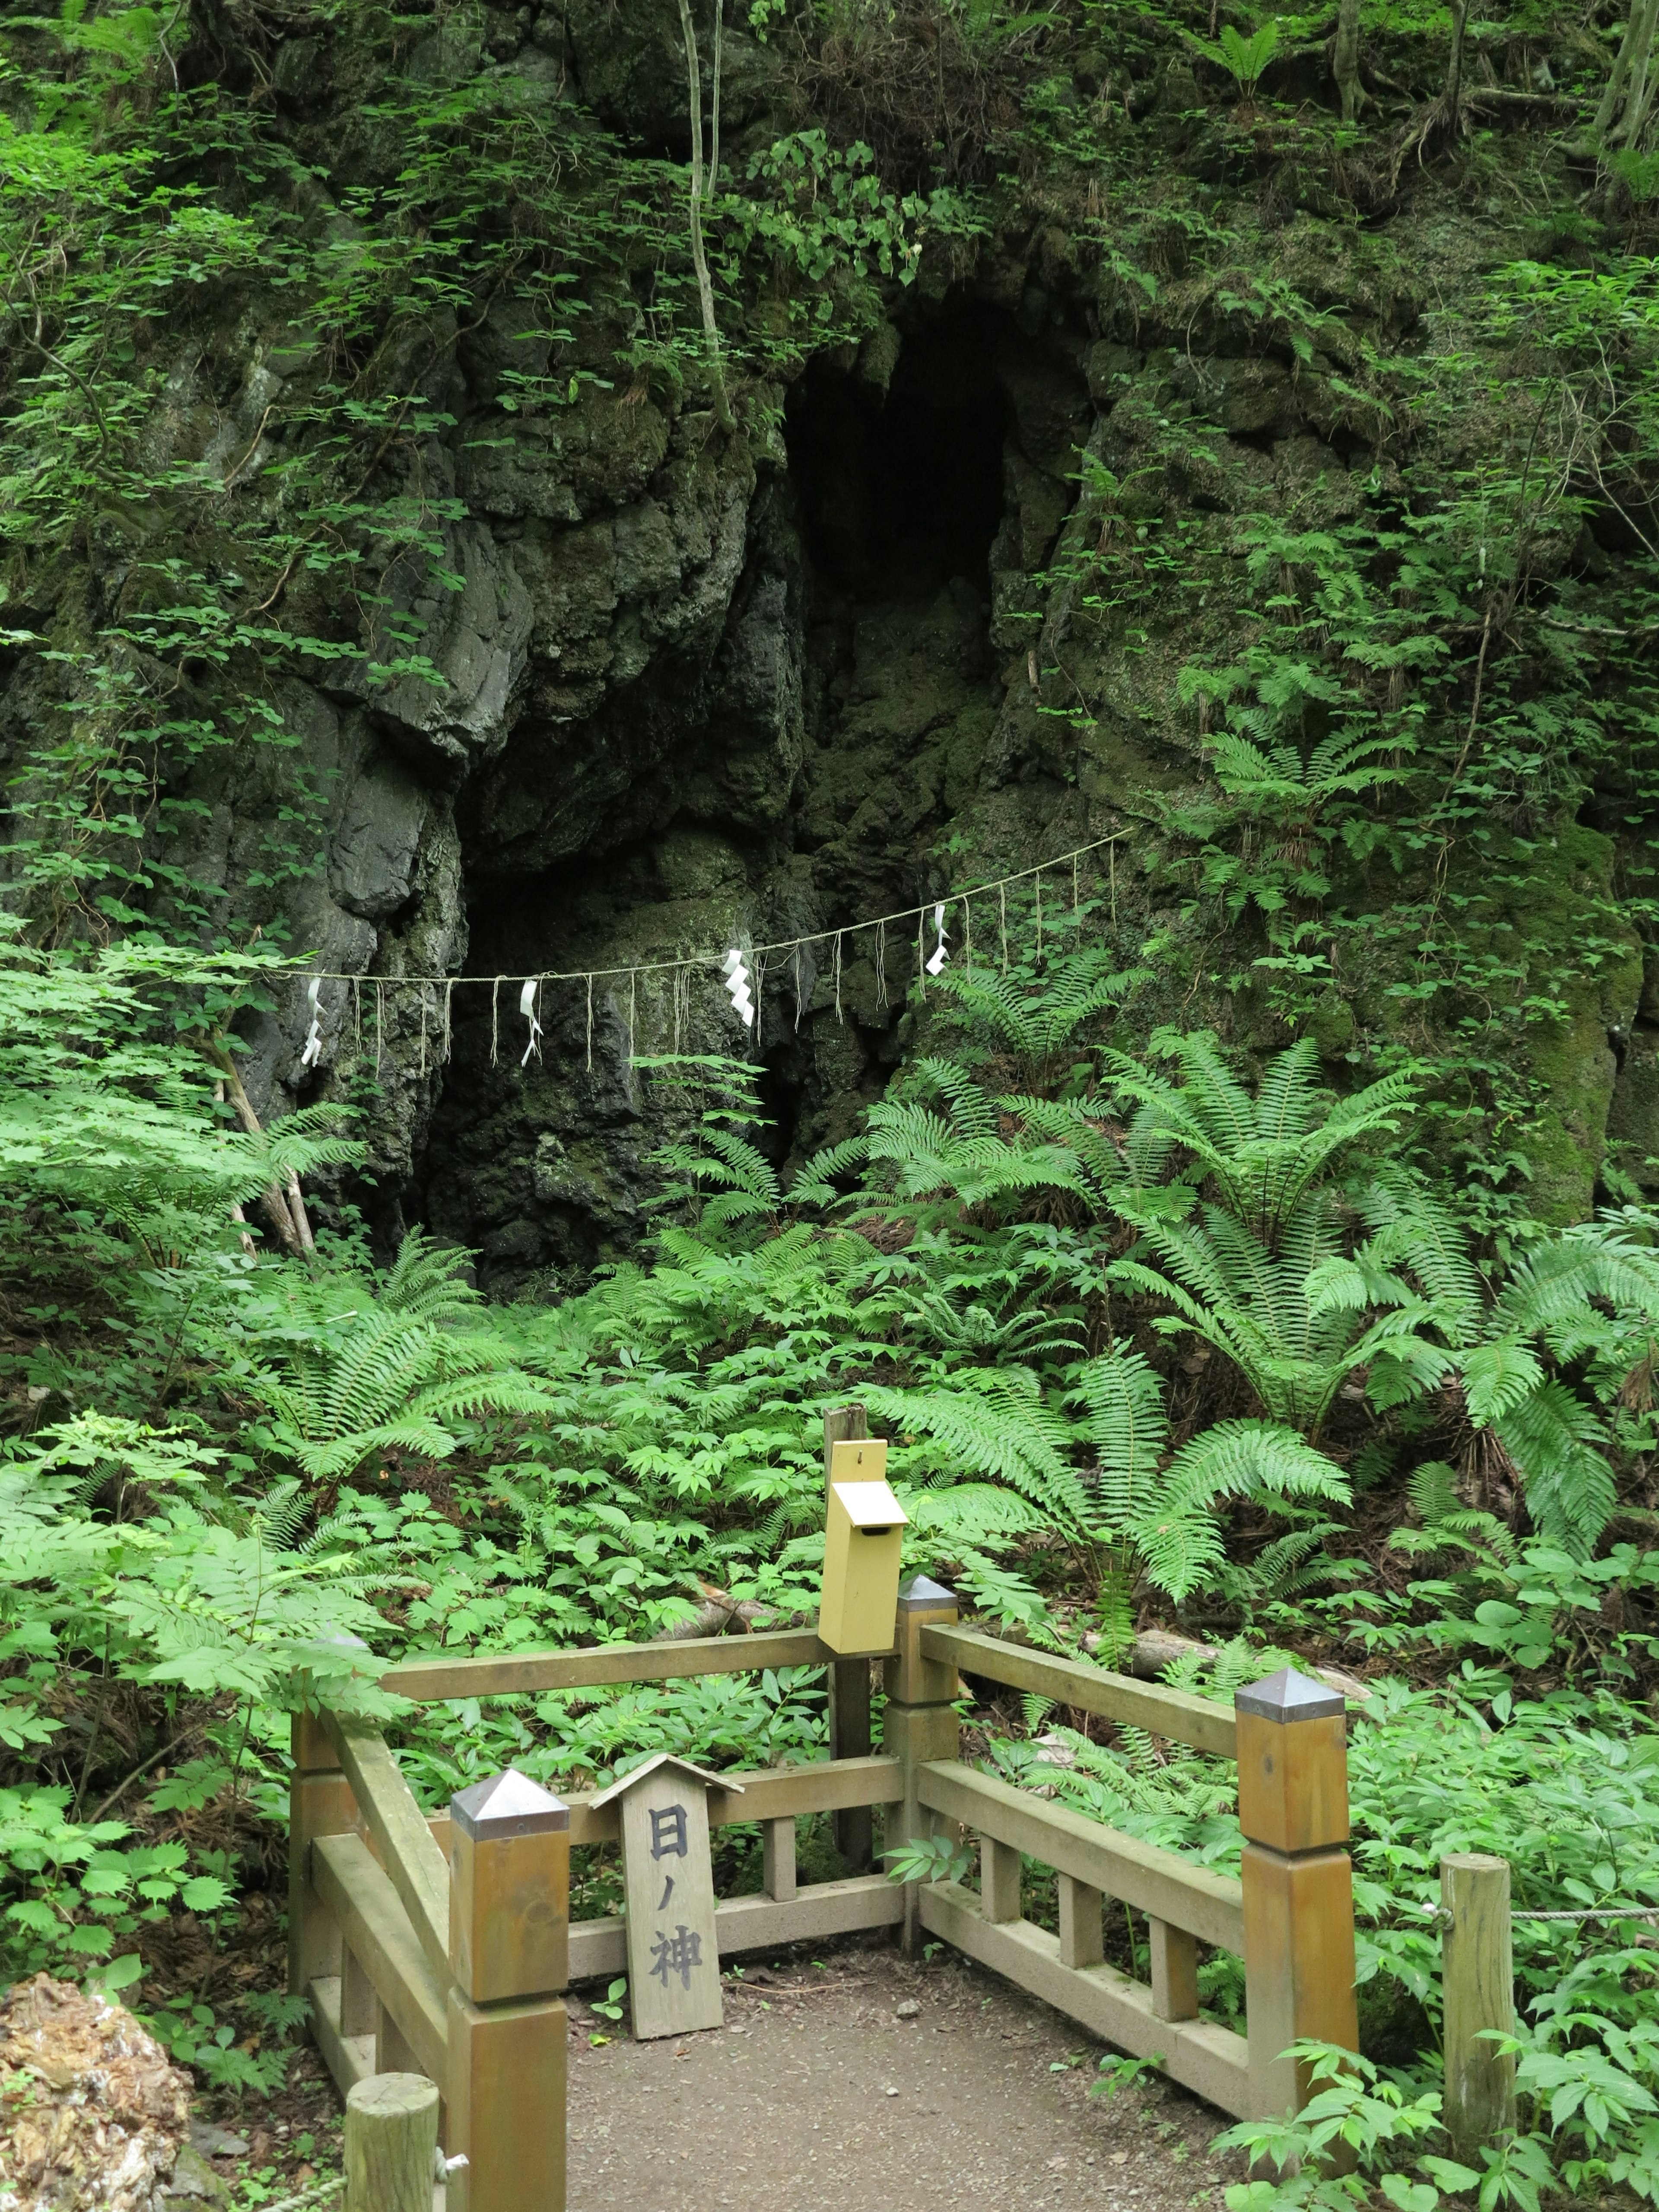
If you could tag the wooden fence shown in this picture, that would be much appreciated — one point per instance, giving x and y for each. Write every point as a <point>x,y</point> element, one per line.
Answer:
<point>441,1946</point>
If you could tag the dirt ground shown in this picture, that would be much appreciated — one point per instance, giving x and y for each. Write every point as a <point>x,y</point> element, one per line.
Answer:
<point>820,2095</point>
<point>825,2092</point>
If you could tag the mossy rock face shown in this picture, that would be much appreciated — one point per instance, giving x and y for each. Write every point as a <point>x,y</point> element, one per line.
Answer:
<point>1542,913</point>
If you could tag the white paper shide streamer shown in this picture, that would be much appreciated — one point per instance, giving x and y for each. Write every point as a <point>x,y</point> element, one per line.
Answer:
<point>313,1051</point>
<point>737,982</point>
<point>941,950</point>
<point>528,1008</point>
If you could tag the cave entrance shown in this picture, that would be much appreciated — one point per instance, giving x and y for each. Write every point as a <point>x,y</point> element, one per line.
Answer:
<point>901,488</point>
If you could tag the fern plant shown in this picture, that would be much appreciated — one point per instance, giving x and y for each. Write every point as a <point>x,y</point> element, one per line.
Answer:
<point>717,1157</point>
<point>1137,1511</point>
<point>1036,1018</point>
<point>1585,1299</point>
<point>1243,59</point>
<point>1260,1272</point>
<point>368,1366</point>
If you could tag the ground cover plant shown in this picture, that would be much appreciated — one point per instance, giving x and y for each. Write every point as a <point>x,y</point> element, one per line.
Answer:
<point>1221,1256</point>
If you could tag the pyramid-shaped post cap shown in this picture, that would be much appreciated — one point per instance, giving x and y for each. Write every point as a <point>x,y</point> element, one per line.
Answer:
<point>508,1804</point>
<point>1288,1696</point>
<point>918,1595</point>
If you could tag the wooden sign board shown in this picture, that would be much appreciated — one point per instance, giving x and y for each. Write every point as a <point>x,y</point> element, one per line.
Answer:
<point>668,1883</point>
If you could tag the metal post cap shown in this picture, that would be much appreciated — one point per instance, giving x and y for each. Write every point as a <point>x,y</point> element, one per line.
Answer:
<point>1288,1696</point>
<point>918,1595</point>
<point>508,1804</point>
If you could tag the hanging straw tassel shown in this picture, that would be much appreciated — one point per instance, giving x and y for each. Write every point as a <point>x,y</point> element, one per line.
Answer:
<point>449,993</point>
<point>380,1023</point>
<point>495,1020</point>
<point>1002,909</point>
<point>421,988</point>
<point>840,1017</point>
<point>590,1025</point>
<point>632,1002</point>
<point>1038,873</point>
<point>881,963</point>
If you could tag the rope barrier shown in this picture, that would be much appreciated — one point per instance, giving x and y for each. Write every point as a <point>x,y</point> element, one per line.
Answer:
<point>1532,1912</point>
<point>680,968</point>
<point>880,922</point>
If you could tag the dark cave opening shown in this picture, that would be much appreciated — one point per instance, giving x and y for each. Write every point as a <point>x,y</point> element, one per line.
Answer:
<point>902,490</point>
<point>784,775</point>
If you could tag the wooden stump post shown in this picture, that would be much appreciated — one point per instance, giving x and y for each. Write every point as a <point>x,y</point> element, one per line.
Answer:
<point>1477,1977</point>
<point>1297,1880</point>
<point>920,1722</point>
<point>391,2144</point>
<point>510,1952</point>
<point>849,1679</point>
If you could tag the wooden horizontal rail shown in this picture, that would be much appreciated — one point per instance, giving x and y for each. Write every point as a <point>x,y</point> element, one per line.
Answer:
<point>769,1792</point>
<point>416,1866</point>
<point>509,1672</point>
<point>600,1948</point>
<point>1208,1904</point>
<point>377,1928</point>
<point>1173,1713</point>
<point>1213,2061</point>
<point>349,2059</point>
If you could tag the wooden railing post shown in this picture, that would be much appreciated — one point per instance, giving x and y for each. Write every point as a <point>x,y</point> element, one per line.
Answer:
<point>920,1722</point>
<point>319,1803</point>
<point>1478,1978</point>
<point>509,1951</point>
<point>1297,1880</point>
<point>849,1679</point>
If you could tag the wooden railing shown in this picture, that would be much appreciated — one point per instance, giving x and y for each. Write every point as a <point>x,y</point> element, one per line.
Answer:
<point>1290,1916</point>
<point>440,1946</point>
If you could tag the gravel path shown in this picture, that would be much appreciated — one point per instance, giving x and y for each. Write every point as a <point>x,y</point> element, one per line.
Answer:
<point>819,2096</point>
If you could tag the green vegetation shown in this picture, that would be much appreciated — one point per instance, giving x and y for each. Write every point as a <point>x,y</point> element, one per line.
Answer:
<point>1262,1248</point>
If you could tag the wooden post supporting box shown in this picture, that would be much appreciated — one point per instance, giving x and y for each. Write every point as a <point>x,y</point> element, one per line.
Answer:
<point>509,1947</point>
<point>1297,1880</point>
<point>849,1679</point>
<point>920,1723</point>
<point>319,1803</point>
<point>1478,1978</point>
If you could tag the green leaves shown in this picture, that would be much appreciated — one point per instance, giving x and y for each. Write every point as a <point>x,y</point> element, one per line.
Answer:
<point>1243,59</point>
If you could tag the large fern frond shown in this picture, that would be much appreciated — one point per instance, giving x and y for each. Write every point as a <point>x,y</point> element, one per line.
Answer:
<point>1570,1491</point>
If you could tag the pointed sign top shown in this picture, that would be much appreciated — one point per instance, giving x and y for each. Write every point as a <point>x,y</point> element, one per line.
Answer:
<point>508,1804</point>
<point>918,1595</point>
<point>624,1783</point>
<point>1288,1696</point>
